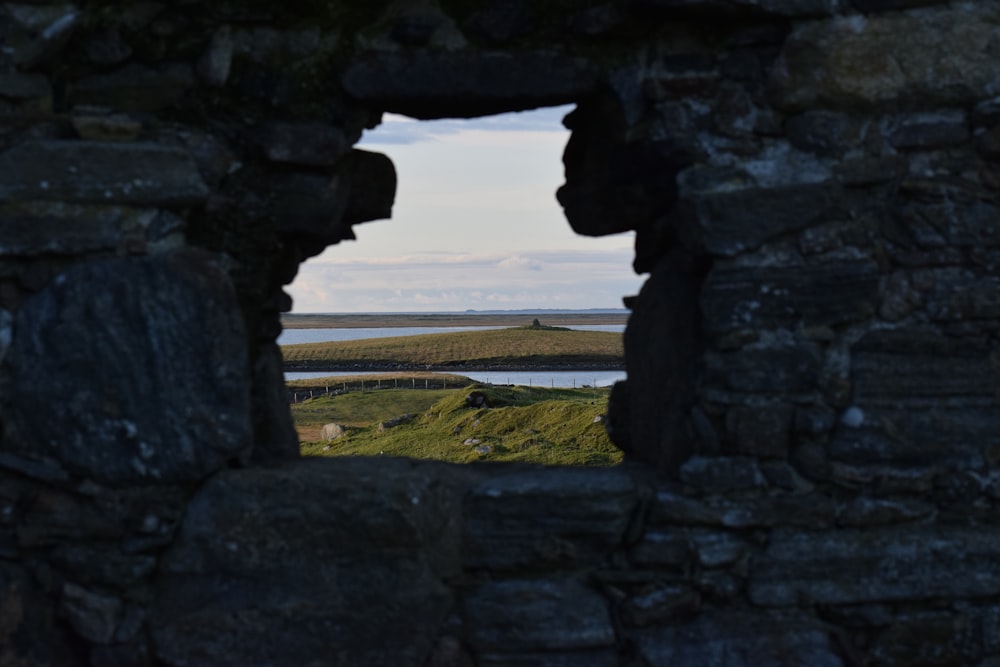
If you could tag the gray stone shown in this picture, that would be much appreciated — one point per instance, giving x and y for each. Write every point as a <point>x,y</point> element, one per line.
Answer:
<point>134,88</point>
<point>740,220</point>
<point>600,658</point>
<point>522,615</point>
<point>867,511</point>
<point>761,431</point>
<point>216,61</point>
<point>331,432</point>
<point>965,298</point>
<point>904,563</point>
<point>666,603</point>
<point>100,172</point>
<point>426,84</point>
<point>395,421</point>
<point>48,42</point>
<point>930,134</point>
<point>817,294</point>
<point>108,47</point>
<point>822,132</point>
<point>93,616</point>
<point>309,560</point>
<point>19,86</point>
<point>30,632</point>
<point>808,510</point>
<point>854,60</point>
<point>786,369</point>
<point>740,639</point>
<point>664,549</point>
<point>106,127</point>
<point>54,228</point>
<point>310,144</point>
<point>722,474</point>
<point>548,517</point>
<point>102,335</point>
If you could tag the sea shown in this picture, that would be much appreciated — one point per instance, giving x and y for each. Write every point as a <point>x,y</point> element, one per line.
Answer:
<point>526,378</point>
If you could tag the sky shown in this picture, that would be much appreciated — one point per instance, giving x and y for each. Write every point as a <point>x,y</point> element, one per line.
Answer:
<point>475,226</point>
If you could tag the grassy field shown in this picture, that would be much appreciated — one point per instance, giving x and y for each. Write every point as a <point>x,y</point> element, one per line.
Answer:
<point>512,348</point>
<point>537,425</point>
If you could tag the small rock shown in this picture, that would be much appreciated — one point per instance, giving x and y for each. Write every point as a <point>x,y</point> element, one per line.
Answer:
<point>93,616</point>
<point>483,449</point>
<point>472,441</point>
<point>477,399</point>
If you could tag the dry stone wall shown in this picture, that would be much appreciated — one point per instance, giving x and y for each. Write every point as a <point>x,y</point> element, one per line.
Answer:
<point>811,414</point>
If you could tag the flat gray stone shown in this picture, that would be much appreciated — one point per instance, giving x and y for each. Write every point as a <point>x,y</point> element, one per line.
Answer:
<point>145,368</point>
<point>904,563</point>
<point>816,294</point>
<point>99,172</point>
<point>522,615</point>
<point>740,639</point>
<point>309,563</point>
<point>547,517</point>
<point>55,228</point>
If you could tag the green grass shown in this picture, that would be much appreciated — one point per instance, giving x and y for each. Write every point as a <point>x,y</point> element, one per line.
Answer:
<point>511,347</point>
<point>536,425</point>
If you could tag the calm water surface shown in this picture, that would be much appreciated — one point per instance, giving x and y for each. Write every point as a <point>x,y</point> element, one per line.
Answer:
<point>296,336</point>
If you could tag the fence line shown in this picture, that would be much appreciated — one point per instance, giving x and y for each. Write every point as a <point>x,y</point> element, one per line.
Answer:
<point>368,385</point>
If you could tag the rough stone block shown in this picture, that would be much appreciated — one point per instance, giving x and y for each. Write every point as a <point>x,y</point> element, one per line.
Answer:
<point>522,615</point>
<point>472,83</point>
<point>44,228</point>
<point>548,517</point>
<point>602,658</point>
<point>856,60</point>
<point>722,474</point>
<point>904,563</point>
<point>964,299</point>
<point>314,559</point>
<point>145,371</point>
<point>762,431</point>
<point>740,639</point>
<point>818,294</point>
<point>782,369</point>
<point>134,88</point>
<point>739,220</point>
<point>144,174</point>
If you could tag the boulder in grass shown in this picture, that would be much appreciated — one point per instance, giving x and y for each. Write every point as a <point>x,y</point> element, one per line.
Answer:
<point>331,432</point>
<point>477,399</point>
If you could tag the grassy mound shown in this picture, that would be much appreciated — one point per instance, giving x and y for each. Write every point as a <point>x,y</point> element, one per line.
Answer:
<point>536,425</point>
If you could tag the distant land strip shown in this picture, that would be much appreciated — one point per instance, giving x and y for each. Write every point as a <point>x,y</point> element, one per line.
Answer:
<point>391,320</point>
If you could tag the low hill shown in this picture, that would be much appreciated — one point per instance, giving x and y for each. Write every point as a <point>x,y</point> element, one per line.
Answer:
<point>536,425</point>
<point>513,348</point>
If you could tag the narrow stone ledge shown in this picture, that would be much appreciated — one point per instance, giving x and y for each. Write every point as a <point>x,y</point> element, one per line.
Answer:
<point>101,172</point>
<point>905,563</point>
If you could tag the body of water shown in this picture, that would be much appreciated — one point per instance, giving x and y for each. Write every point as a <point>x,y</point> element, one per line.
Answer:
<point>297,336</point>
<point>526,378</point>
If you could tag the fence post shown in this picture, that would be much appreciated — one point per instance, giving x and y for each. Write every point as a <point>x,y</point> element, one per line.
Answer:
<point>414,382</point>
<point>345,387</point>
<point>362,385</point>
<point>425,383</point>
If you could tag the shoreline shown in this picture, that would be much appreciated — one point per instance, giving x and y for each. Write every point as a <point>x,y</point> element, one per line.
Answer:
<point>307,367</point>
<point>397,320</point>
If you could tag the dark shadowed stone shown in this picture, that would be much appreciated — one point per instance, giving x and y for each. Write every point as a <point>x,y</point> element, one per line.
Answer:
<point>818,294</point>
<point>762,431</point>
<point>99,172</point>
<point>314,562</point>
<point>867,511</point>
<point>894,564</point>
<point>868,6</point>
<point>426,84</point>
<point>738,220</point>
<point>722,474</point>
<point>145,366</point>
<point>926,639</point>
<point>30,633</point>
<point>740,639</point>
<point>821,132</point>
<point>44,228</point>
<point>663,342</point>
<point>665,603</point>
<point>598,658</point>
<point>791,368</point>
<point>547,517</point>
<point>944,215</point>
<point>965,298</point>
<point>373,186</point>
<point>930,134</point>
<point>501,21</point>
<point>19,86</point>
<point>521,615</point>
<point>93,616</point>
<point>810,510</point>
<point>134,88</point>
<point>311,144</point>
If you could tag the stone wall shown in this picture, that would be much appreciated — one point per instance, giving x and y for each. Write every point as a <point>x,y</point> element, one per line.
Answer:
<point>811,418</point>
